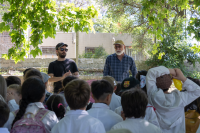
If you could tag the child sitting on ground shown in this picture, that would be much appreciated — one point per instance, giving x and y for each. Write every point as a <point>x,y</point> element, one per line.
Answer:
<point>170,106</point>
<point>134,103</point>
<point>31,107</point>
<point>56,103</point>
<point>61,91</point>
<point>77,120</point>
<point>150,114</point>
<point>43,76</point>
<point>14,96</point>
<point>102,92</point>
<point>4,114</point>
<point>115,100</point>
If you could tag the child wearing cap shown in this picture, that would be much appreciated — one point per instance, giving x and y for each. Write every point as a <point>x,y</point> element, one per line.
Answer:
<point>134,103</point>
<point>150,114</point>
<point>115,100</point>
<point>45,79</point>
<point>170,106</point>
<point>102,92</point>
<point>77,120</point>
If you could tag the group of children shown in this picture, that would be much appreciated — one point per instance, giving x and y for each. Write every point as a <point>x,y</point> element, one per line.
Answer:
<point>139,105</point>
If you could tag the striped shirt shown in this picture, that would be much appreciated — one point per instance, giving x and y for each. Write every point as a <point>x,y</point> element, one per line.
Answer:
<point>119,69</point>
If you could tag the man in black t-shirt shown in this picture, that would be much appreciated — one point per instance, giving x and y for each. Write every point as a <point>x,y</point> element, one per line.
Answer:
<point>62,67</point>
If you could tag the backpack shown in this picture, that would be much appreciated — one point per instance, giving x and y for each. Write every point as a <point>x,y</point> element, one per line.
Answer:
<point>33,124</point>
<point>192,121</point>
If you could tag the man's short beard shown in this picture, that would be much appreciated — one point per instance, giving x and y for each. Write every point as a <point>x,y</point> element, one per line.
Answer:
<point>120,52</point>
<point>62,56</point>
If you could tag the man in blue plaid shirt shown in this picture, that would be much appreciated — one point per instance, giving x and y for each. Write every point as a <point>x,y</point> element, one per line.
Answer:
<point>118,64</point>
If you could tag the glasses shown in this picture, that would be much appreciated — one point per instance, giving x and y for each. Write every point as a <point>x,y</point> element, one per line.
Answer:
<point>118,46</point>
<point>62,49</point>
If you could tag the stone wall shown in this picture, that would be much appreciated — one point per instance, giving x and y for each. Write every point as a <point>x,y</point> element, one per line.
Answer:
<point>85,64</point>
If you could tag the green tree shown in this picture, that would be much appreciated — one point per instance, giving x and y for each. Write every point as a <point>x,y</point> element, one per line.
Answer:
<point>42,17</point>
<point>106,25</point>
<point>160,21</point>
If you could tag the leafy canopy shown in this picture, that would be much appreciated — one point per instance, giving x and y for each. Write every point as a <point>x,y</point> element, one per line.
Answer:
<point>43,17</point>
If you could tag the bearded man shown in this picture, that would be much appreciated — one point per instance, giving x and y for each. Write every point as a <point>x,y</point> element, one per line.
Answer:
<point>62,67</point>
<point>118,64</point>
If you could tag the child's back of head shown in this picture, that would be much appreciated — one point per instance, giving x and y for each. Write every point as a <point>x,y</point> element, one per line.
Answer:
<point>3,87</point>
<point>77,94</point>
<point>33,90</point>
<point>56,103</point>
<point>13,80</point>
<point>134,103</point>
<point>101,90</point>
<point>67,80</point>
<point>33,72</point>
<point>4,113</point>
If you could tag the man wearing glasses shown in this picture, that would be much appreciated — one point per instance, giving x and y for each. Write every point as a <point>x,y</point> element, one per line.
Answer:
<point>62,67</point>
<point>118,64</point>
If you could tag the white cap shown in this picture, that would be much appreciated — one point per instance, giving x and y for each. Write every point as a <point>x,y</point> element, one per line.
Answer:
<point>45,77</point>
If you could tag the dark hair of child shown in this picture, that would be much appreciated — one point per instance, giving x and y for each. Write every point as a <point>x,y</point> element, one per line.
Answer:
<point>13,80</point>
<point>65,81</point>
<point>77,94</point>
<point>24,72</point>
<point>134,103</point>
<point>33,89</point>
<point>195,105</point>
<point>56,103</point>
<point>4,113</point>
<point>144,73</point>
<point>101,89</point>
<point>118,89</point>
<point>33,72</point>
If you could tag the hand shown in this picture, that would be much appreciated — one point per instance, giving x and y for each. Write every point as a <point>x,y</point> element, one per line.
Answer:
<point>66,74</point>
<point>172,72</point>
<point>10,96</point>
<point>179,75</point>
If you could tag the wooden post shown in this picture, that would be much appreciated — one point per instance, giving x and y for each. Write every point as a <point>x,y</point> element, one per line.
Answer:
<point>77,47</point>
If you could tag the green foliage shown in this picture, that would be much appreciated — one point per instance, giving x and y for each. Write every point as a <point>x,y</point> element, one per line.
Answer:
<point>42,17</point>
<point>172,51</point>
<point>98,53</point>
<point>165,23</point>
<point>106,25</point>
<point>195,75</point>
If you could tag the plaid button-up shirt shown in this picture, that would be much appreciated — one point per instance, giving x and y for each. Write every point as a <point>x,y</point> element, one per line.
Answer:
<point>119,69</point>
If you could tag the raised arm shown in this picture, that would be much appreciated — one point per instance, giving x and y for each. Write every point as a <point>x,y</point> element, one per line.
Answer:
<point>193,90</point>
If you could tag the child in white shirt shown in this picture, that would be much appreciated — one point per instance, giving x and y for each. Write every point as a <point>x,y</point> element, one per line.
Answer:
<point>134,103</point>
<point>102,92</point>
<point>4,114</point>
<point>115,100</point>
<point>77,120</point>
<point>170,106</point>
<point>33,94</point>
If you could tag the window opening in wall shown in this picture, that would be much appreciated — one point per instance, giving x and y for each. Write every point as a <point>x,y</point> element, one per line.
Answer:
<point>48,50</point>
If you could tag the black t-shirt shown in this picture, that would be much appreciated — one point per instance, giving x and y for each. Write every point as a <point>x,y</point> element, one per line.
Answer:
<point>58,68</point>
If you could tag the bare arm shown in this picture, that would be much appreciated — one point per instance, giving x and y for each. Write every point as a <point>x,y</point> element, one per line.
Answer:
<point>56,79</point>
<point>76,74</point>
